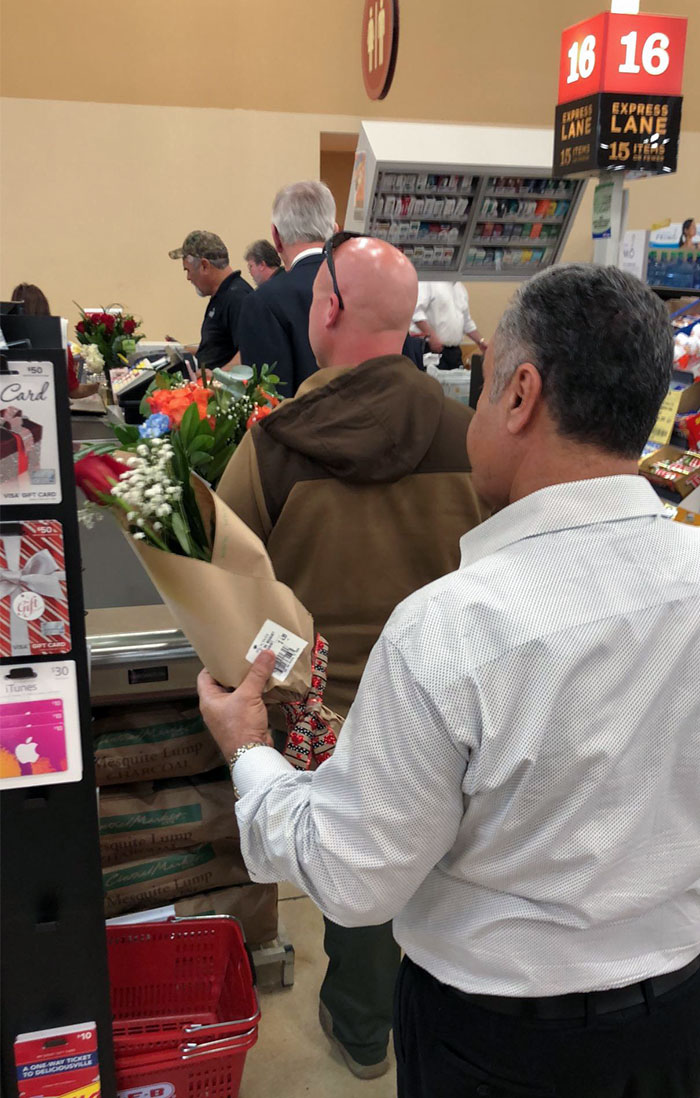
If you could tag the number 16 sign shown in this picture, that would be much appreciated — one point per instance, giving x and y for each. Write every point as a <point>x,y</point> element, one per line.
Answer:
<point>620,83</point>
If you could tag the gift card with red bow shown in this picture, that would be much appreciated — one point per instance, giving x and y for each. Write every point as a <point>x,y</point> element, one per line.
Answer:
<point>34,617</point>
<point>29,470</point>
<point>39,725</point>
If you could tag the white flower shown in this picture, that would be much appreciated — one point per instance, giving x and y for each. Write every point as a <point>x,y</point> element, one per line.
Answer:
<point>92,358</point>
<point>164,509</point>
<point>139,537</point>
<point>142,450</point>
<point>90,514</point>
<point>131,516</point>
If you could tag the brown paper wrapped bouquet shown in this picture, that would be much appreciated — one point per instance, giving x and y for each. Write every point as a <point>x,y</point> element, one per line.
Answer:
<point>214,575</point>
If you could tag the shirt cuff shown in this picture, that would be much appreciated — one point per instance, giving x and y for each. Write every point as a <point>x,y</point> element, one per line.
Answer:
<point>255,768</point>
<point>474,328</point>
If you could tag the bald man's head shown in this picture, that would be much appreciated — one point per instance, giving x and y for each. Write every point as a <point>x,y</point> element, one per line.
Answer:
<point>379,288</point>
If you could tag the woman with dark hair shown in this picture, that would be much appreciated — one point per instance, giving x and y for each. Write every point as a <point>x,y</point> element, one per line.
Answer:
<point>32,298</point>
<point>35,303</point>
<point>688,231</point>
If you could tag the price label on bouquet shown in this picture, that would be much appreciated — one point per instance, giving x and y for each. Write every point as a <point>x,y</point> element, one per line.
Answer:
<point>39,725</point>
<point>287,647</point>
<point>29,469</point>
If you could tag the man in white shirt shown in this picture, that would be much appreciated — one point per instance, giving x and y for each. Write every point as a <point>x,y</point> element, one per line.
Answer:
<point>442,316</point>
<point>517,781</point>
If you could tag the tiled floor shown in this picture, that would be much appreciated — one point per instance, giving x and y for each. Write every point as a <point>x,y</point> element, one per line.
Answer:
<point>292,1057</point>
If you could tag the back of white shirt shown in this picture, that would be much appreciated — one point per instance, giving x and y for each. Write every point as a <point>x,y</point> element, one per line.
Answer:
<point>518,780</point>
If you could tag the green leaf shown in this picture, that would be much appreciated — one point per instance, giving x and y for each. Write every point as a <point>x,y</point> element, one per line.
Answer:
<point>203,442</point>
<point>127,436</point>
<point>183,536</point>
<point>98,449</point>
<point>199,457</point>
<point>189,424</point>
<point>219,463</point>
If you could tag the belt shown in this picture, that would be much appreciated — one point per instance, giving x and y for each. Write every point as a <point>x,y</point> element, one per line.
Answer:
<point>580,1004</point>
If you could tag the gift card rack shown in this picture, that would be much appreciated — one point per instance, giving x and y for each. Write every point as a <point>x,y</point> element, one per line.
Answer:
<point>52,936</point>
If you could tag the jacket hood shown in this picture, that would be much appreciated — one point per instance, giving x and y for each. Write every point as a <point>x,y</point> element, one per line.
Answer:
<point>371,423</point>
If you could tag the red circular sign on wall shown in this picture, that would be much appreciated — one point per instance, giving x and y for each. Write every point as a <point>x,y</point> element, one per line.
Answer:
<point>380,42</point>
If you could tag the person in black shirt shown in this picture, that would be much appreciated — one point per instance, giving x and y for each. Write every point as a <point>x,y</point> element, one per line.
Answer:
<point>205,261</point>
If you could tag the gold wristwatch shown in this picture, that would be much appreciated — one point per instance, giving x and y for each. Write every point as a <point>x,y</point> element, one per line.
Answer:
<point>236,756</point>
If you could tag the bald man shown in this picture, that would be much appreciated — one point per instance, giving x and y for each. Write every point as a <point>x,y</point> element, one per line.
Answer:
<point>361,488</point>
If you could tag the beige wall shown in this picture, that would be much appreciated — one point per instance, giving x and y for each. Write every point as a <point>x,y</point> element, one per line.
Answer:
<point>91,213</point>
<point>459,60</point>
<point>128,123</point>
<point>94,196</point>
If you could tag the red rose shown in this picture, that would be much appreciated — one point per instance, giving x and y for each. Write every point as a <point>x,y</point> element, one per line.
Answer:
<point>80,327</point>
<point>108,321</point>
<point>129,325</point>
<point>96,475</point>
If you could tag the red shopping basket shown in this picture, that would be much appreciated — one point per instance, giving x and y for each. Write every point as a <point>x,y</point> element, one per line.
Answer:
<point>184,981</point>
<point>202,1071</point>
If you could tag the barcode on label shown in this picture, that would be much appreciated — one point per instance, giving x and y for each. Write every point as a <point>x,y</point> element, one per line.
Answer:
<point>286,645</point>
<point>284,661</point>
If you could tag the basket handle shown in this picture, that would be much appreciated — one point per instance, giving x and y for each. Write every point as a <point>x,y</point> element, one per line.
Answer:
<point>192,1051</point>
<point>188,1051</point>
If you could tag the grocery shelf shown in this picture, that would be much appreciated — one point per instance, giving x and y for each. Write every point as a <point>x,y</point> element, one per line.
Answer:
<point>518,219</point>
<point>521,242</point>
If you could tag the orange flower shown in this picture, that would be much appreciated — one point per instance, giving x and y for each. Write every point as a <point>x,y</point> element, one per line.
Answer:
<point>175,402</point>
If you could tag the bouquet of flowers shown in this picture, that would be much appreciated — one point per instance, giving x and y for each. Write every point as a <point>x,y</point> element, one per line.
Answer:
<point>217,580</point>
<point>108,338</point>
<point>202,421</point>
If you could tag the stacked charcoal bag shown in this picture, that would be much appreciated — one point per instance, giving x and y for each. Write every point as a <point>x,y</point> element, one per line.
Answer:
<point>168,831</point>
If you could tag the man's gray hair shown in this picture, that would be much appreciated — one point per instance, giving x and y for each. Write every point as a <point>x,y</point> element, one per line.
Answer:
<point>304,212</point>
<point>602,343</point>
<point>220,264</point>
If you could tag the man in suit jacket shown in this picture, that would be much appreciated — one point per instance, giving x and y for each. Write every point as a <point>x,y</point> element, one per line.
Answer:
<point>274,326</point>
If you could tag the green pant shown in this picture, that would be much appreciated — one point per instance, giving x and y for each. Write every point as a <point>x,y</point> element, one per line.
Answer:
<point>358,989</point>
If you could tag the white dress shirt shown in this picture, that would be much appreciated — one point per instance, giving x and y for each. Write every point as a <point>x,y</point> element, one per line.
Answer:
<point>518,780</point>
<point>445,307</point>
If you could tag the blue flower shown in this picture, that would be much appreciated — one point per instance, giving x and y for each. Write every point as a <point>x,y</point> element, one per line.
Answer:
<point>156,425</point>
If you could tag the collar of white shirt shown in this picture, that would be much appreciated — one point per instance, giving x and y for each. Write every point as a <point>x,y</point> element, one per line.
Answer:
<point>303,255</point>
<point>562,507</point>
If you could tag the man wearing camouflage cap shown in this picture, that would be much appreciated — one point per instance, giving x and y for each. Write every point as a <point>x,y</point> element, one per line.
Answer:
<point>205,261</point>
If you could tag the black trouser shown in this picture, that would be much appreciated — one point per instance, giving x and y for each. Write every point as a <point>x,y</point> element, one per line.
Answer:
<point>359,987</point>
<point>448,1047</point>
<point>451,358</point>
